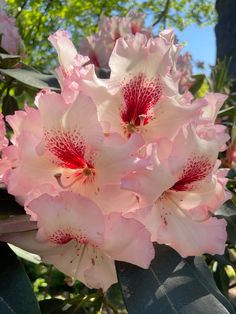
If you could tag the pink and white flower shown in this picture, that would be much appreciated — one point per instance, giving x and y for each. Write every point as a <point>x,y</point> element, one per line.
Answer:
<point>207,126</point>
<point>110,165</point>
<point>73,66</point>
<point>10,38</point>
<point>184,71</point>
<point>99,46</point>
<point>184,189</point>
<point>65,147</point>
<point>79,240</point>
<point>142,95</point>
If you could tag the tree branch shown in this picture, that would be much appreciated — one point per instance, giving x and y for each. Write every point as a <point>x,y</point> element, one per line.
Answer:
<point>163,13</point>
<point>21,9</point>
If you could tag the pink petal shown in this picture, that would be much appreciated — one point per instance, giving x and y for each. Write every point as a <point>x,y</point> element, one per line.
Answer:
<point>127,240</point>
<point>66,217</point>
<point>116,159</point>
<point>65,49</point>
<point>214,102</point>
<point>146,182</point>
<point>82,262</point>
<point>28,120</point>
<point>187,236</point>
<point>32,170</point>
<point>82,116</point>
<point>85,263</point>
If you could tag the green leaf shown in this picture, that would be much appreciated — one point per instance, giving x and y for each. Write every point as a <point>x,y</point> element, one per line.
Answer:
<point>80,304</point>
<point>8,205</point>
<point>51,306</point>
<point>199,80</point>
<point>16,294</point>
<point>226,112</point>
<point>4,56</point>
<point>222,279</point>
<point>9,105</point>
<point>172,284</point>
<point>228,212</point>
<point>8,61</point>
<point>32,78</point>
<point>33,258</point>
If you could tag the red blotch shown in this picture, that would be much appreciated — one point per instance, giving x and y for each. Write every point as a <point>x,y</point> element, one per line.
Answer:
<point>64,236</point>
<point>60,237</point>
<point>140,95</point>
<point>196,169</point>
<point>68,147</point>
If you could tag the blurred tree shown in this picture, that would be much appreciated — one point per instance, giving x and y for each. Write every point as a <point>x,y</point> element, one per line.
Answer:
<point>226,34</point>
<point>38,19</point>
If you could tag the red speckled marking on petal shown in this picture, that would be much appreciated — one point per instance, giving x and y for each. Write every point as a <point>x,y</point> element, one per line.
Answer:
<point>196,169</point>
<point>140,95</point>
<point>63,236</point>
<point>68,147</point>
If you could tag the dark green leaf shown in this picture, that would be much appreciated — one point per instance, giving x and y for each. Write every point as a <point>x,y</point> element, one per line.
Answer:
<point>9,105</point>
<point>224,260</point>
<point>32,78</point>
<point>77,305</point>
<point>231,229</point>
<point>222,279</point>
<point>104,73</point>
<point>228,212</point>
<point>8,61</point>
<point>8,205</point>
<point>231,173</point>
<point>171,285</point>
<point>228,209</point>
<point>226,112</point>
<point>2,50</point>
<point>199,80</point>
<point>4,56</point>
<point>51,306</point>
<point>16,294</point>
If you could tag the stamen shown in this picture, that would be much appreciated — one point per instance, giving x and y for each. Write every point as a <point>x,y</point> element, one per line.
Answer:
<point>59,181</point>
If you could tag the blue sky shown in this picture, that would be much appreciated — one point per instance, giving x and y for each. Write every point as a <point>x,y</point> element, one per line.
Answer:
<point>200,43</point>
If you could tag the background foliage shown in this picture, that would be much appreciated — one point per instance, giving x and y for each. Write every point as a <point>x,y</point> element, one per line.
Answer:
<point>38,19</point>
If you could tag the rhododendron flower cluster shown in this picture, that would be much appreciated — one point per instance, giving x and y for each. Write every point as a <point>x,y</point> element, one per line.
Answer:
<point>108,166</point>
<point>99,47</point>
<point>10,38</point>
<point>184,67</point>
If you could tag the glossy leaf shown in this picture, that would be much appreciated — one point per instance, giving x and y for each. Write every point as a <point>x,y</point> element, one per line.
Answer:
<point>172,284</point>
<point>32,78</point>
<point>16,294</point>
<point>9,105</point>
<point>226,112</point>
<point>228,212</point>
<point>7,61</point>
<point>33,258</point>
<point>8,205</point>
<point>199,80</point>
<point>77,305</point>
